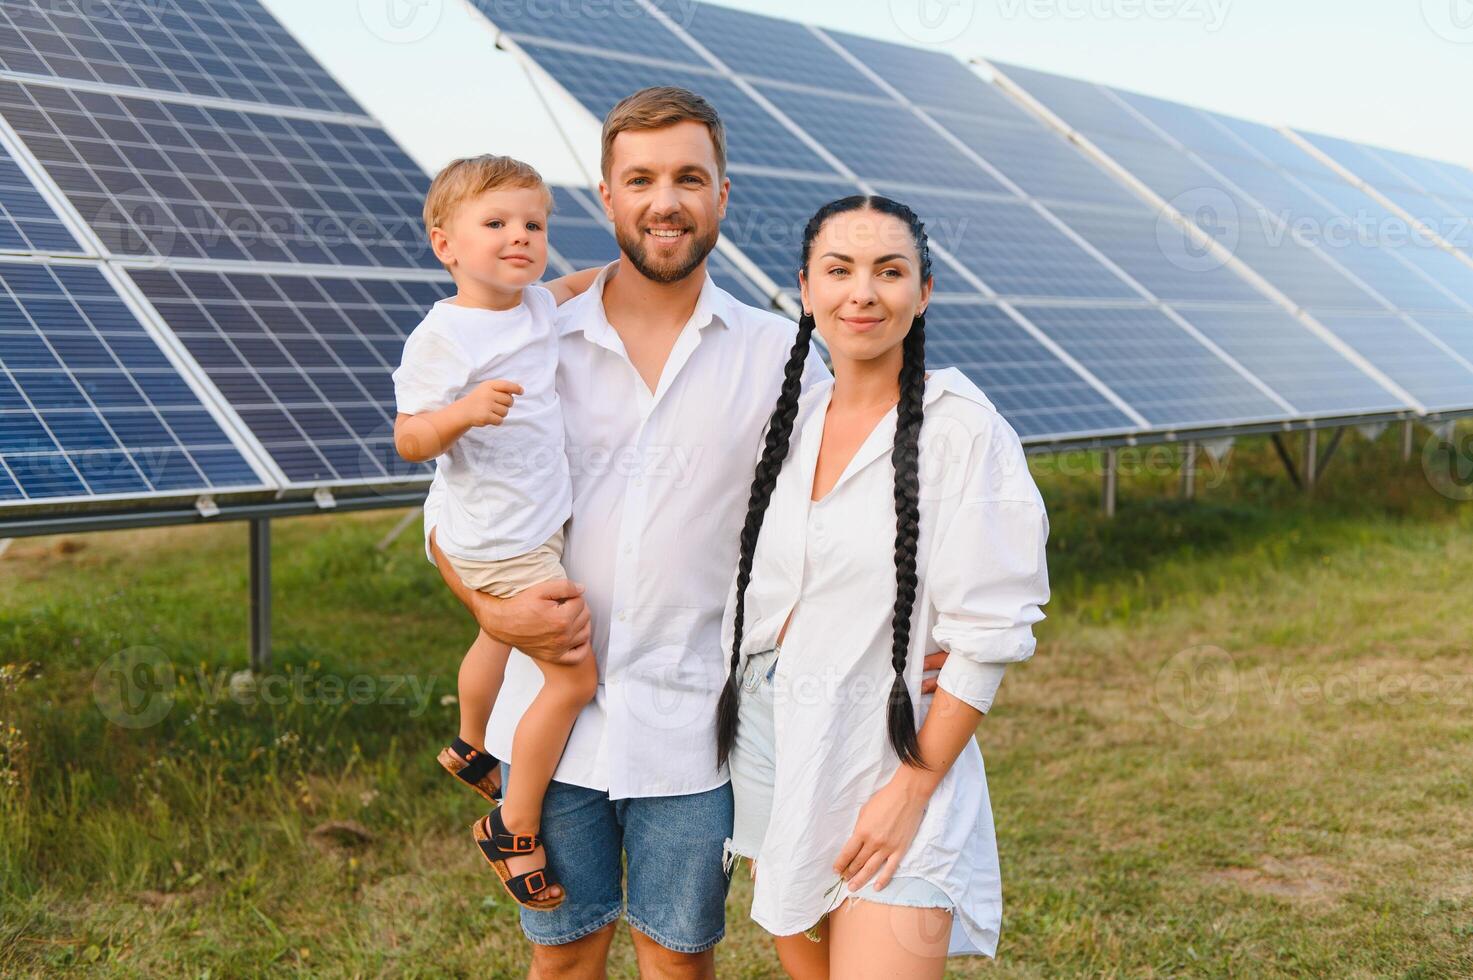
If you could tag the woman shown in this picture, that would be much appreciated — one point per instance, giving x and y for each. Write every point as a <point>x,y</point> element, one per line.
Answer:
<point>905,513</point>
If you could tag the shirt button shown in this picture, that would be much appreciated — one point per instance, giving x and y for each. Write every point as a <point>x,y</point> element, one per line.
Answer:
<point>628,548</point>
<point>623,616</point>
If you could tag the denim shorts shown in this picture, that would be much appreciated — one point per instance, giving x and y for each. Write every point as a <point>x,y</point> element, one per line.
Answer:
<point>753,768</point>
<point>676,886</point>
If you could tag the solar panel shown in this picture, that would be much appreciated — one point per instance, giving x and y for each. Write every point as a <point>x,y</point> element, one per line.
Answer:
<point>1407,356</point>
<point>226,49</point>
<point>593,28</point>
<point>305,361</point>
<point>162,178</point>
<point>761,47</point>
<point>1008,200</point>
<point>27,222</point>
<point>90,406</point>
<point>1034,390</point>
<point>1149,361</point>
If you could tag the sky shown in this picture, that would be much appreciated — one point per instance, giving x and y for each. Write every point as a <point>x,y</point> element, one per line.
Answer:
<point>1390,72</point>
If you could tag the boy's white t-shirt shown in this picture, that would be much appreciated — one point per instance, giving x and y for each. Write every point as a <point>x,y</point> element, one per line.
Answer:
<point>507,486</point>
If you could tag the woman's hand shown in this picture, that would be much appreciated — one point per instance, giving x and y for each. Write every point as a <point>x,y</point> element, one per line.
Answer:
<point>886,826</point>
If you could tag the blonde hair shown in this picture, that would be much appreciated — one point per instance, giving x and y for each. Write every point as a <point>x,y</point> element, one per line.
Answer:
<point>472,176</point>
<point>656,108</point>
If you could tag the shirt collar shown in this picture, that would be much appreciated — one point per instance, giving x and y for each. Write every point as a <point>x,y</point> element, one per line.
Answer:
<point>952,380</point>
<point>586,312</point>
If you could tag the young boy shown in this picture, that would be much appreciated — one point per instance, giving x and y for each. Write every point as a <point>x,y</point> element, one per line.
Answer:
<point>490,347</point>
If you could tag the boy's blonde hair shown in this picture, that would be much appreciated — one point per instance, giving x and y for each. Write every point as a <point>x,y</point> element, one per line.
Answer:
<point>472,176</point>
<point>656,108</point>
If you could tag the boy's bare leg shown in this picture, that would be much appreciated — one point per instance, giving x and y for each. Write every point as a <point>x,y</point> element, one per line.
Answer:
<point>481,673</point>
<point>536,749</point>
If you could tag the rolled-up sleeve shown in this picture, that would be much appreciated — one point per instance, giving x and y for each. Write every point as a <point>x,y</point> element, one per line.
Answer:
<point>989,578</point>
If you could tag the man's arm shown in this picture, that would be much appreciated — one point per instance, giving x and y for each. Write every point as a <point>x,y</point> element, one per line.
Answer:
<point>566,287</point>
<point>548,621</point>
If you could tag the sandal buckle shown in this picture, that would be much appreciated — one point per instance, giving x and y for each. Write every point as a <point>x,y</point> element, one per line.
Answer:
<point>539,879</point>
<point>522,843</point>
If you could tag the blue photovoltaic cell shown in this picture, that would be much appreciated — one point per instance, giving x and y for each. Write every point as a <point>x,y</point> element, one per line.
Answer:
<point>765,218</point>
<point>1405,356</point>
<point>89,404</point>
<point>1454,331</point>
<point>1301,367</point>
<point>227,49</point>
<point>1013,249</point>
<point>882,141</point>
<point>764,47</point>
<point>182,181</point>
<point>623,28</point>
<point>27,222</point>
<point>1279,149</point>
<point>1159,254</point>
<point>754,136</point>
<point>1349,235</point>
<point>1039,161</point>
<point>305,361</point>
<point>1036,392</point>
<point>1084,106</point>
<point>1160,370</point>
<point>930,79</point>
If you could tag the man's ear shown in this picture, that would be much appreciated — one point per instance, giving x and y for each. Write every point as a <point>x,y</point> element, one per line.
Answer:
<point>725,196</point>
<point>607,197</point>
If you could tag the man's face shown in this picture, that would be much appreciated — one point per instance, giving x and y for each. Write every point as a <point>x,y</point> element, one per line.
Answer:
<point>665,198</point>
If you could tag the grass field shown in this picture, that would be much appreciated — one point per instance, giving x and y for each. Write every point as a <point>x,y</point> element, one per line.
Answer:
<point>1243,748</point>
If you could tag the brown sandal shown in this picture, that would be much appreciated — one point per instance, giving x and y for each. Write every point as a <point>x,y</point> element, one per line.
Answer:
<point>497,844</point>
<point>478,770</point>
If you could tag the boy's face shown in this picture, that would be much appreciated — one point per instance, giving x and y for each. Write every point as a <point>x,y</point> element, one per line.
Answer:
<point>665,198</point>
<point>496,240</point>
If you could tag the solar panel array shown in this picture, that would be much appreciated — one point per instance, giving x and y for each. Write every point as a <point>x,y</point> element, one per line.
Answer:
<point>1054,268</point>
<point>1331,248</point>
<point>209,261</point>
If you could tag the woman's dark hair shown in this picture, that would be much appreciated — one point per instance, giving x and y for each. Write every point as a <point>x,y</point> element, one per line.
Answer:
<point>905,456</point>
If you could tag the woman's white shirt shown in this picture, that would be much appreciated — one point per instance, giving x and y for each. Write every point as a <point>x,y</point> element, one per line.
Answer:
<point>981,580</point>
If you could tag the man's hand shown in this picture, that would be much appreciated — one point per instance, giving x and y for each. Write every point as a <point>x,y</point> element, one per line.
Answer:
<point>932,668</point>
<point>490,401</point>
<point>548,621</point>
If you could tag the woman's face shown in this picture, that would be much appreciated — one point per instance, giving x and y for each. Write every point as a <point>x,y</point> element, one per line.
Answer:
<point>863,284</point>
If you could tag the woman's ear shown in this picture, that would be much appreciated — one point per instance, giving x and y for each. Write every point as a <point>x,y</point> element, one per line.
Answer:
<point>803,291</point>
<point>926,288</point>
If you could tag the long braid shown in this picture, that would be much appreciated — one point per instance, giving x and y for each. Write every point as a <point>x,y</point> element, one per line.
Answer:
<point>900,717</point>
<point>774,453</point>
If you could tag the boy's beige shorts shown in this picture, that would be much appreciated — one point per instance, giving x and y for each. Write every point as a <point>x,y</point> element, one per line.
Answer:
<point>507,577</point>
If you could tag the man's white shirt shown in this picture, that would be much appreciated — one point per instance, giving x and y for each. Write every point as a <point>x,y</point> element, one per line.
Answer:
<point>660,488</point>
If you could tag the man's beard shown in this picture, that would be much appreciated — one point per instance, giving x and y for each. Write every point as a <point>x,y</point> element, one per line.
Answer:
<point>635,248</point>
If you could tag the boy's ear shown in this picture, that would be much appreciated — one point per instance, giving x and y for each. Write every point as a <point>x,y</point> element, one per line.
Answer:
<point>440,244</point>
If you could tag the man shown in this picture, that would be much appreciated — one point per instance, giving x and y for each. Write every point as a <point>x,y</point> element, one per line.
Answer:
<point>666,383</point>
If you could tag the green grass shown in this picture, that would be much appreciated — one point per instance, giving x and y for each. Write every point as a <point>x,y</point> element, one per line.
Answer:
<point>1243,747</point>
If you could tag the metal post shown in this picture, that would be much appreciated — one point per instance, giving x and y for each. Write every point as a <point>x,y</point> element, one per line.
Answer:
<point>1311,458</point>
<point>260,595</point>
<point>1189,470</point>
<point>1110,461</point>
<point>1406,441</point>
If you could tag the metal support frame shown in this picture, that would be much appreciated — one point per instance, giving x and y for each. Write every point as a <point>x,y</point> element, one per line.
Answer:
<point>1189,470</point>
<point>260,595</point>
<point>1329,452</point>
<point>1406,440</point>
<point>1311,459</point>
<point>1288,461</point>
<point>1111,479</point>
